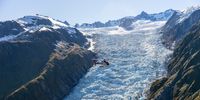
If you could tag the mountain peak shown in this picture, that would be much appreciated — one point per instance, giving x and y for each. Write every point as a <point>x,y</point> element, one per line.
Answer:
<point>37,21</point>
<point>184,14</point>
<point>143,16</point>
<point>190,9</point>
<point>143,13</point>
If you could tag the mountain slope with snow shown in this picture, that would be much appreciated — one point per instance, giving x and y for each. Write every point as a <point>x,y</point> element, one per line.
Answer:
<point>10,30</point>
<point>179,25</point>
<point>37,51</point>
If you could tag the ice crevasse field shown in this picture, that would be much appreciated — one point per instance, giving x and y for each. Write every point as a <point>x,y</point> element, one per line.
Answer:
<point>136,57</point>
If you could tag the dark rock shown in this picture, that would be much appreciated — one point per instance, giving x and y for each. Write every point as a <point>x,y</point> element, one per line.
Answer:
<point>126,24</point>
<point>57,78</point>
<point>183,81</point>
<point>20,62</point>
<point>174,31</point>
<point>144,16</point>
<point>66,23</point>
<point>10,28</point>
<point>76,25</point>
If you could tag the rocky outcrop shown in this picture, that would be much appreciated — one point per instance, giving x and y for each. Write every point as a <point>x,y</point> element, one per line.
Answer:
<point>10,28</point>
<point>42,61</point>
<point>178,25</point>
<point>183,81</point>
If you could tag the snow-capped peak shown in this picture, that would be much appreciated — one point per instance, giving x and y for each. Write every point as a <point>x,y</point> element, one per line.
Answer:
<point>29,21</point>
<point>42,23</point>
<point>185,13</point>
<point>45,29</point>
<point>56,22</point>
<point>190,9</point>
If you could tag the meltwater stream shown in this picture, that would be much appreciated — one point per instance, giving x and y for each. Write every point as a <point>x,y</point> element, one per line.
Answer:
<point>137,58</point>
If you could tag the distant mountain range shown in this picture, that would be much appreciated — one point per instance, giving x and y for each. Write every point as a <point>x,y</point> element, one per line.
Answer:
<point>127,21</point>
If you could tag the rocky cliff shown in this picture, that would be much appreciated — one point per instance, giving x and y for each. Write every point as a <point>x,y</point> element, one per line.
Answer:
<point>40,58</point>
<point>183,81</point>
<point>179,25</point>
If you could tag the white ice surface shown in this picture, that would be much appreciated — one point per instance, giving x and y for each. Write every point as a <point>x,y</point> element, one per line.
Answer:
<point>137,58</point>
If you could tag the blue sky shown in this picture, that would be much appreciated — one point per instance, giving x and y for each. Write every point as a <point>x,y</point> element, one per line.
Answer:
<point>80,11</point>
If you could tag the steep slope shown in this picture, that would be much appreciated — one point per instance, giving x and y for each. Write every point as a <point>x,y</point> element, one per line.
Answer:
<point>183,81</point>
<point>58,77</point>
<point>41,48</point>
<point>179,24</point>
<point>127,21</point>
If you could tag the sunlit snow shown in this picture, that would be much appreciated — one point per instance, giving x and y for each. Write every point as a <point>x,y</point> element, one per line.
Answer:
<point>44,29</point>
<point>6,38</point>
<point>9,37</point>
<point>184,14</point>
<point>31,20</point>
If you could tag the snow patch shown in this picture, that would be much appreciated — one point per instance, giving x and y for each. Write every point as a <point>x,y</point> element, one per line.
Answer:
<point>57,23</point>
<point>92,43</point>
<point>6,38</point>
<point>44,29</point>
<point>27,20</point>
<point>9,37</point>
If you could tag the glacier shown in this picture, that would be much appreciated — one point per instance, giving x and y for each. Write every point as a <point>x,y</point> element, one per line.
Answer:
<point>137,58</point>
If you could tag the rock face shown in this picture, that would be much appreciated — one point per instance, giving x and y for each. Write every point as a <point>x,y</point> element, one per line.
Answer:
<point>178,25</point>
<point>127,21</point>
<point>183,81</point>
<point>57,78</point>
<point>43,60</point>
<point>10,28</point>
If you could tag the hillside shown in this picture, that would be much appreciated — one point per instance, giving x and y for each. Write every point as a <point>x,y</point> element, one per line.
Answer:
<point>179,25</point>
<point>183,79</point>
<point>38,58</point>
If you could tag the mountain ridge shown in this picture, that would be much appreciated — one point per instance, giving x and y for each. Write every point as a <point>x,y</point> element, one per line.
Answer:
<point>179,25</point>
<point>126,21</point>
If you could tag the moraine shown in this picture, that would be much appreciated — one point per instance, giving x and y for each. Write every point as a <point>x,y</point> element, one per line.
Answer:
<point>137,58</point>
